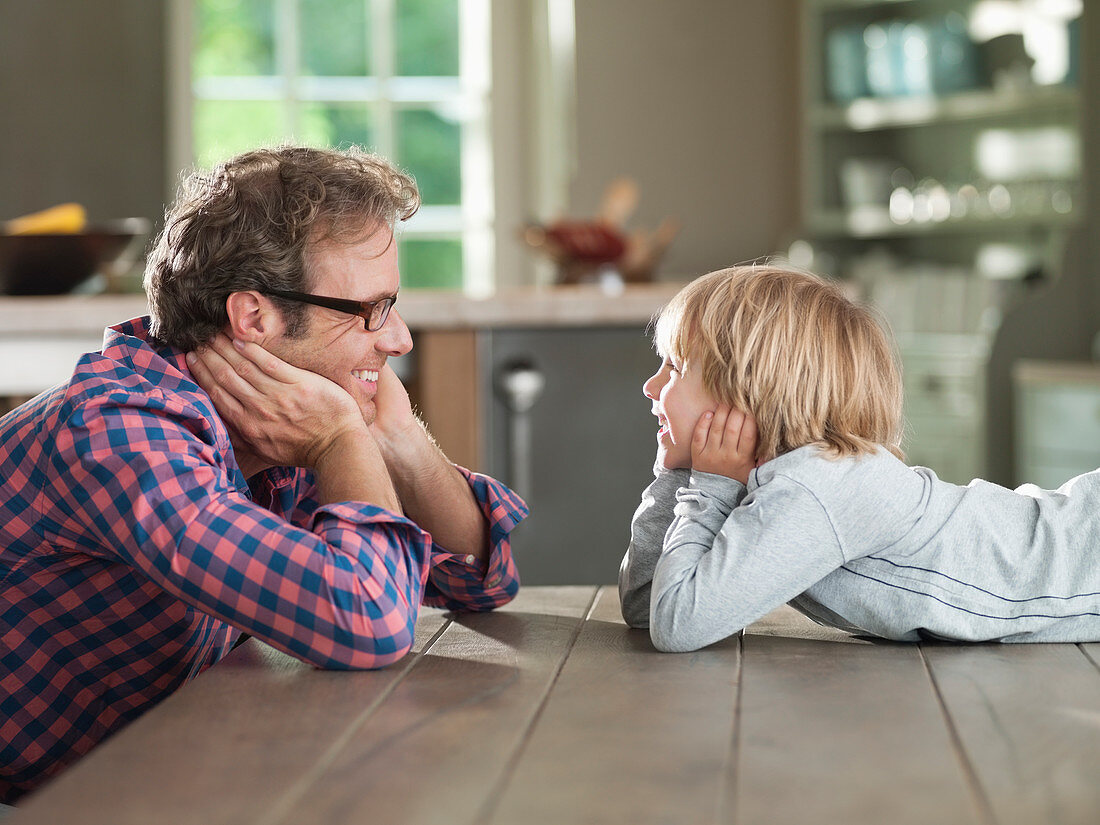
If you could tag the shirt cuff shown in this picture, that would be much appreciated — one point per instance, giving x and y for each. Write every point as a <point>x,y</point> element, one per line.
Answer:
<point>723,488</point>
<point>503,510</point>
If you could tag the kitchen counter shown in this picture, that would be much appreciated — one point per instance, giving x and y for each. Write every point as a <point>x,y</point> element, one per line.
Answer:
<point>422,309</point>
<point>42,336</point>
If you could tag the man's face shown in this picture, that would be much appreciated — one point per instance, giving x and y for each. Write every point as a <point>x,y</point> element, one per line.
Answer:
<point>336,344</point>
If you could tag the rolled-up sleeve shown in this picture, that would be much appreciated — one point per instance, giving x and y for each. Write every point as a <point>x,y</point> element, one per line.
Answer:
<point>461,582</point>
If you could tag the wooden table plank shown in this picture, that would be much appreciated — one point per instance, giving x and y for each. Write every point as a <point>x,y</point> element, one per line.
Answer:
<point>535,714</point>
<point>1093,652</point>
<point>1028,716</point>
<point>437,747</point>
<point>257,721</point>
<point>834,729</point>
<point>629,734</point>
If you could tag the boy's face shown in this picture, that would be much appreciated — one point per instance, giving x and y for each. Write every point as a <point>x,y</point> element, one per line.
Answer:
<point>679,398</point>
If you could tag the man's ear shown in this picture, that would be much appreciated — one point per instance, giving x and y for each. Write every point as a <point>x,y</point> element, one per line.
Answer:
<point>252,317</point>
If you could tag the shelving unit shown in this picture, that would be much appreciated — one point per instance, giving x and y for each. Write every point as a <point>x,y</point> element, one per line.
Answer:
<point>939,200</point>
<point>869,114</point>
<point>841,224</point>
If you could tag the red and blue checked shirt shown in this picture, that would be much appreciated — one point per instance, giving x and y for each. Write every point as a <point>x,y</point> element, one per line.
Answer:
<point>133,553</point>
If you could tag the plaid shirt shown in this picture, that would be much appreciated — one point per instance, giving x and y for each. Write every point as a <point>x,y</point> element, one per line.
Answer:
<point>133,553</point>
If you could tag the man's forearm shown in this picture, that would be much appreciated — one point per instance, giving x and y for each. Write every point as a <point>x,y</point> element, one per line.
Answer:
<point>353,470</point>
<point>434,494</point>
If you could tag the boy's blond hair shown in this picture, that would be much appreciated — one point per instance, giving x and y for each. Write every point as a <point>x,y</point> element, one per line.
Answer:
<point>810,364</point>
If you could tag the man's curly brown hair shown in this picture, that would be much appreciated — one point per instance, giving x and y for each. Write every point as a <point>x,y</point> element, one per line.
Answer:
<point>246,225</point>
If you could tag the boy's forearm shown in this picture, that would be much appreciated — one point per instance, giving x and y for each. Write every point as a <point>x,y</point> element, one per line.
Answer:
<point>647,533</point>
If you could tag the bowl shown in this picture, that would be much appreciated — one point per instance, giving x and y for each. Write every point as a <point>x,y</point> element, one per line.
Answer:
<point>53,264</point>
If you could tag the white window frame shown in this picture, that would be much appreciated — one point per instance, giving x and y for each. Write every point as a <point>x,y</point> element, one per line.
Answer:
<point>468,95</point>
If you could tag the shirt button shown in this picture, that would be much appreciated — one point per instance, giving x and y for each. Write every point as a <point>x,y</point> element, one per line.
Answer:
<point>470,559</point>
<point>492,581</point>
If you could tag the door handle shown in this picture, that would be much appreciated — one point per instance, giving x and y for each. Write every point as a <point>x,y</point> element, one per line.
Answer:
<point>520,383</point>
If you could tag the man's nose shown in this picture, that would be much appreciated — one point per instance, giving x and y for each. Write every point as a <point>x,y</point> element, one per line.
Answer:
<point>394,337</point>
<point>651,389</point>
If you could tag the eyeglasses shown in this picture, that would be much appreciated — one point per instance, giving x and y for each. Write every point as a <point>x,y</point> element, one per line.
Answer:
<point>373,313</point>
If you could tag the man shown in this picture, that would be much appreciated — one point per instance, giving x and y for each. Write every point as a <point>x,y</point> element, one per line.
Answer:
<point>243,461</point>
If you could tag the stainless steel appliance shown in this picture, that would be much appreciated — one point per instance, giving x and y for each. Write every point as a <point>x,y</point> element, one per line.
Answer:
<point>568,427</point>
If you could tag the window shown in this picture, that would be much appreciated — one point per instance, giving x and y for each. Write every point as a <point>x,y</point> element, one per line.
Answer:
<point>408,79</point>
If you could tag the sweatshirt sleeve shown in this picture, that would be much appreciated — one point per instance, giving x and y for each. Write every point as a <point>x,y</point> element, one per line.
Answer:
<point>647,534</point>
<point>730,558</point>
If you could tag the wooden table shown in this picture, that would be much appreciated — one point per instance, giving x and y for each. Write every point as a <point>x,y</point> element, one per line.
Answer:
<point>552,711</point>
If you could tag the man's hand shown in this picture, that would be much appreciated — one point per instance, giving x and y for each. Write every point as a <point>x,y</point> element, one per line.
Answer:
<point>283,415</point>
<point>724,443</point>
<point>394,416</point>
<point>434,494</point>
<point>279,415</point>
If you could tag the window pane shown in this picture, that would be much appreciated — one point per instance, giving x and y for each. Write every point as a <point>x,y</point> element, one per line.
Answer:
<point>334,37</point>
<point>337,124</point>
<point>430,264</point>
<point>226,127</point>
<point>427,38</point>
<point>429,146</point>
<point>234,37</point>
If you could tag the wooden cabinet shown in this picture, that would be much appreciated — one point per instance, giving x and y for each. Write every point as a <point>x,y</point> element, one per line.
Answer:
<point>1057,422</point>
<point>944,381</point>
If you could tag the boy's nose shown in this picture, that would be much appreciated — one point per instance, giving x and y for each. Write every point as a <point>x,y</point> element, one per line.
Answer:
<point>652,388</point>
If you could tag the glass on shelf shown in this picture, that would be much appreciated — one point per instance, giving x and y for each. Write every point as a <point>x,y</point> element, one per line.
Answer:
<point>992,46</point>
<point>1044,152</point>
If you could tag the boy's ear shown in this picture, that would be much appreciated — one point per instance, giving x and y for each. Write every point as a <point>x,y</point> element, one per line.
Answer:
<point>252,317</point>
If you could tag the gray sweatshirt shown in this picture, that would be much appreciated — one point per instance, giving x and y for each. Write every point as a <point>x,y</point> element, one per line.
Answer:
<point>865,544</point>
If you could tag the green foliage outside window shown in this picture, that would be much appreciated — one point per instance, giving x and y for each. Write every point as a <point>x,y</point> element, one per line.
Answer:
<point>430,264</point>
<point>427,38</point>
<point>336,124</point>
<point>227,127</point>
<point>235,39</point>
<point>430,146</point>
<point>334,37</point>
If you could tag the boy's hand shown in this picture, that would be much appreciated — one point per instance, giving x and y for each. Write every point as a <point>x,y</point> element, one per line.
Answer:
<point>724,443</point>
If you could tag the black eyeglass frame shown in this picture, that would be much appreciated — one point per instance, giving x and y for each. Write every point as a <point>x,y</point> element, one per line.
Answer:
<point>364,309</point>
